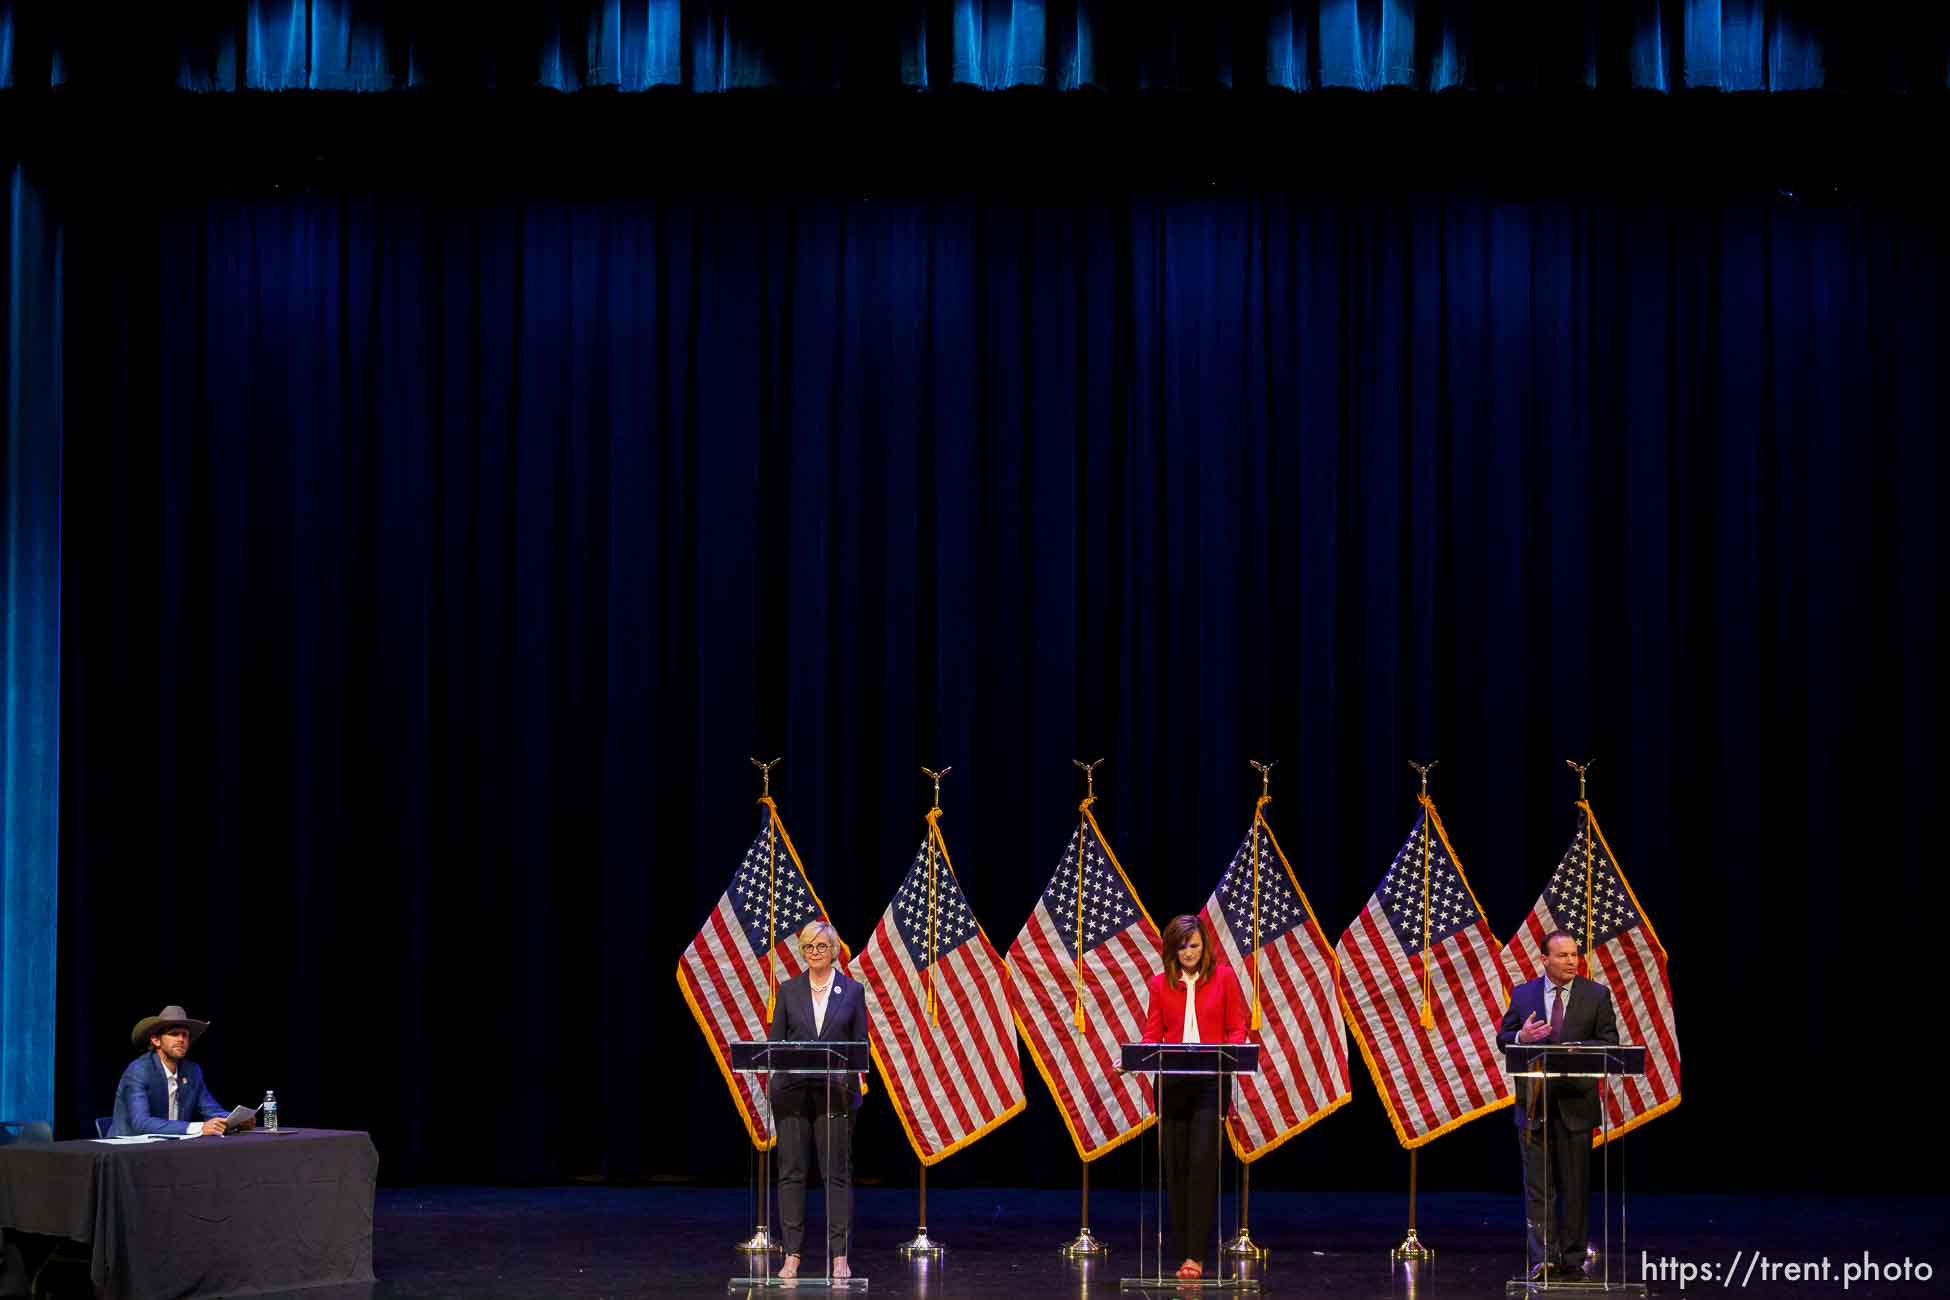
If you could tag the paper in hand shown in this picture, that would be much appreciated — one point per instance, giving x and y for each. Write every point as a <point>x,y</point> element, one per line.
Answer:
<point>239,1119</point>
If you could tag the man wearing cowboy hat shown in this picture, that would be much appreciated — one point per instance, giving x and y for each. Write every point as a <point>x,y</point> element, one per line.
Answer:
<point>162,1090</point>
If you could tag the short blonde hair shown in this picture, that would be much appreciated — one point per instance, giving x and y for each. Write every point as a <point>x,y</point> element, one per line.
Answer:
<point>810,928</point>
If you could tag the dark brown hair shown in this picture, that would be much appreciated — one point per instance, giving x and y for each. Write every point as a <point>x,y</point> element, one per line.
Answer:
<point>1177,932</point>
<point>1561,934</point>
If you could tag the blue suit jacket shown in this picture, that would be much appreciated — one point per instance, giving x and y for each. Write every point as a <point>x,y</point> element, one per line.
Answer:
<point>846,1021</point>
<point>142,1098</point>
<point>1588,1018</point>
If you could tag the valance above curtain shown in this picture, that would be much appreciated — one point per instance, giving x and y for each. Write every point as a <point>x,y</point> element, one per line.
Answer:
<point>1489,46</point>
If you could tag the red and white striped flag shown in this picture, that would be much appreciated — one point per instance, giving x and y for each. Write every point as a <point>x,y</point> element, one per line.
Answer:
<point>1424,992</point>
<point>1079,974</point>
<point>725,973</point>
<point>936,1012</point>
<point>1269,935</point>
<point>1587,895</point>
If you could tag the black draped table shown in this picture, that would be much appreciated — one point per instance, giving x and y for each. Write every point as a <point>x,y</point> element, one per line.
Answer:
<point>204,1217</point>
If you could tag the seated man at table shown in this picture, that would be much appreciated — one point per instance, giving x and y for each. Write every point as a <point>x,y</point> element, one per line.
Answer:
<point>162,1090</point>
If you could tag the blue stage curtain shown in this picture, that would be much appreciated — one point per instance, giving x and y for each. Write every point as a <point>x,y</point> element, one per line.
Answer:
<point>30,648</point>
<point>719,45</point>
<point>436,563</point>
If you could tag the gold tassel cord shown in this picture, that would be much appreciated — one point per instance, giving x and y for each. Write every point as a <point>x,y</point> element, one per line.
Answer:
<point>1428,1005</point>
<point>934,841</point>
<point>1084,809</point>
<point>1258,810</point>
<point>772,909</point>
<point>1590,884</point>
<point>941,861</point>
<point>934,1015</point>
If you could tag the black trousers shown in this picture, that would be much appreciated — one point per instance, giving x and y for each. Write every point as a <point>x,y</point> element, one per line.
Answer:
<point>1188,1123</point>
<point>1556,1235</point>
<point>800,1115</point>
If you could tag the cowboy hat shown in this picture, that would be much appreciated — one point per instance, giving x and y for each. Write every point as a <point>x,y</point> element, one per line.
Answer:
<point>172,1017</point>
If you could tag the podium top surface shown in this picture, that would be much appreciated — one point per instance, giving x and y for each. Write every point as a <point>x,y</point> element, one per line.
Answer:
<point>786,1056</point>
<point>1209,1059</point>
<point>1573,1060</point>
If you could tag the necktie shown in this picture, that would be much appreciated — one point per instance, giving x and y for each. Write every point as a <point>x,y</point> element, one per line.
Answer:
<point>172,1095</point>
<point>1557,1013</point>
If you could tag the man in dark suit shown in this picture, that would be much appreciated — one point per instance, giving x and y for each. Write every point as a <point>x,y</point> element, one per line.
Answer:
<point>1559,1006</point>
<point>820,1005</point>
<point>162,1090</point>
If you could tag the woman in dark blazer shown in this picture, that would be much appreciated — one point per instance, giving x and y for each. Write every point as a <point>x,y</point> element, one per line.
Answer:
<point>820,1005</point>
<point>1194,999</point>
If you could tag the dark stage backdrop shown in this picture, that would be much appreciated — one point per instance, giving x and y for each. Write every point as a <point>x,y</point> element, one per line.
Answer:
<point>433,565</point>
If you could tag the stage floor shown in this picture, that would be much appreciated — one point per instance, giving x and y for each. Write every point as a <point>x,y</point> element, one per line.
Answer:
<point>1002,1242</point>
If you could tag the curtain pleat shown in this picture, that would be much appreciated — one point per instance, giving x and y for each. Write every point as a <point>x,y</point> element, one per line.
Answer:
<point>30,643</point>
<point>708,46</point>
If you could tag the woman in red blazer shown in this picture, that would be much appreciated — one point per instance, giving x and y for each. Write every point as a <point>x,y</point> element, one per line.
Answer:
<point>1193,1000</point>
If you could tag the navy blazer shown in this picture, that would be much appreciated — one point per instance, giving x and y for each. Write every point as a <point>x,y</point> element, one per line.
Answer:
<point>846,1021</point>
<point>1587,1019</point>
<point>142,1098</point>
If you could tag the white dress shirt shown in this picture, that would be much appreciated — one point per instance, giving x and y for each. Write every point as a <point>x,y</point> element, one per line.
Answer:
<point>196,1130</point>
<point>819,996</point>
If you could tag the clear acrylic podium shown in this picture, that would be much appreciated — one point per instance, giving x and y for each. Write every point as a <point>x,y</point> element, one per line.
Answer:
<point>1538,1065</point>
<point>833,1061</point>
<point>1190,1065</point>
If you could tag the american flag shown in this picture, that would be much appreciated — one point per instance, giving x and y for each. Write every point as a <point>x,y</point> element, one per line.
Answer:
<point>1435,1079</point>
<point>953,1074</point>
<point>1303,1039</point>
<point>723,972</point>
<point>1622,953</point>
<point>1089,906</point>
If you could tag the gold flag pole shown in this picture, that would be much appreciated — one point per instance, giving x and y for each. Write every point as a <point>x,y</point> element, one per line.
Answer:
<point>921,1246</point>
<point>761,1242</point>
<point>1083,1245</point>
<point>1242,1245</point>
<point>1412,1248</point>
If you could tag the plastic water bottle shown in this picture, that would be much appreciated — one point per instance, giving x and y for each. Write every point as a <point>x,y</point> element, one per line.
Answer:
<point>270,1111</point>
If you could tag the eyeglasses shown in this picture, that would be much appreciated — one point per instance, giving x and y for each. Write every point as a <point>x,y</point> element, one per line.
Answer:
<point>821,946</point>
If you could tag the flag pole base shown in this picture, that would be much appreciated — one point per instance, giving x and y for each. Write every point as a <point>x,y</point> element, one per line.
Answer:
<point>1411,1249</point>
<point>759,1243</point>
<point>921,1247</point>
<point>1242,1246</point>
<point>1084,1246</point>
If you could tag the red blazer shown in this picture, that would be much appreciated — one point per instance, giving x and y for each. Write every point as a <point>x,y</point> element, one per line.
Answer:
<point>1221,1009</point>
